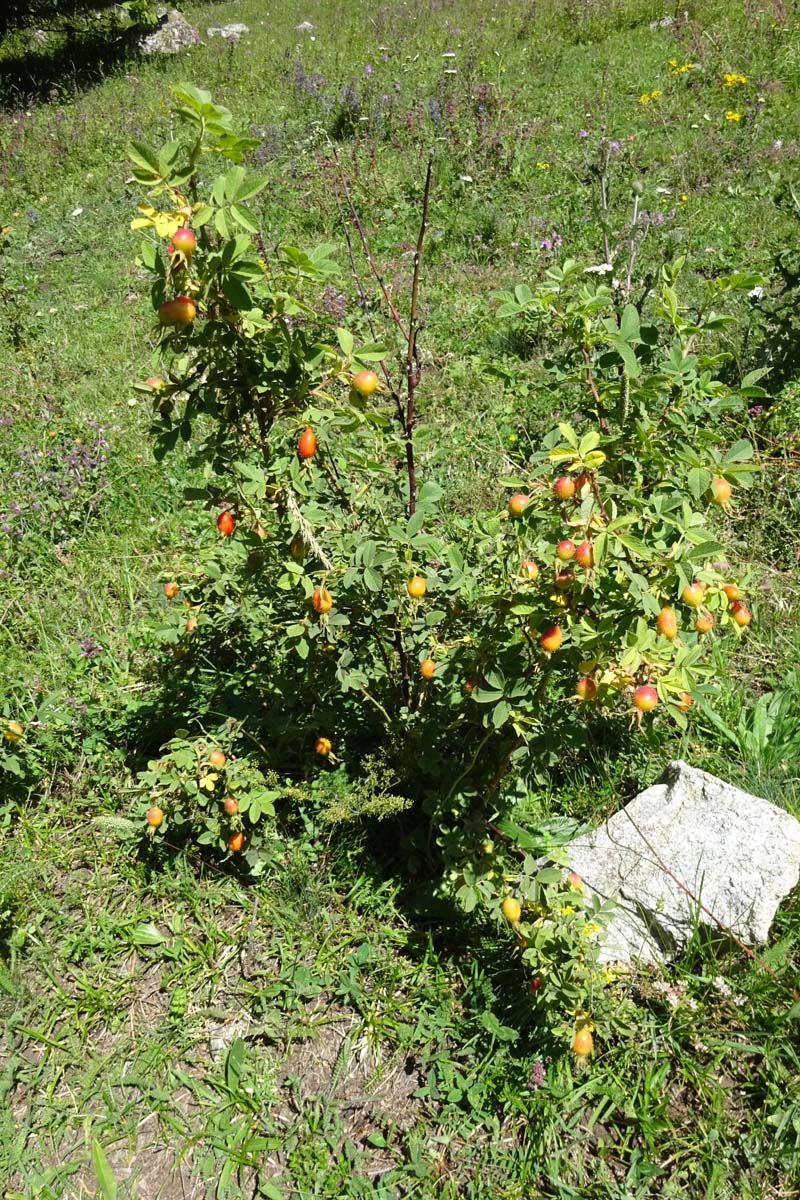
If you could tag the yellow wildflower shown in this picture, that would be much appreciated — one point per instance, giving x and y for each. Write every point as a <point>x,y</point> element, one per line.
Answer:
<point>732,78</point>
<point>165,223</point>
<point>654,95</point>
<point>730,115</point>
<point>543,166</point>
<point>644,98</point>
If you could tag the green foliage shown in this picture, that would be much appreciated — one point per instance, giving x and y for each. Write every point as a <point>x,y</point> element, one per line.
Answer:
<point>191,790</point>
<point>118,970</point>
<point>301,606</point>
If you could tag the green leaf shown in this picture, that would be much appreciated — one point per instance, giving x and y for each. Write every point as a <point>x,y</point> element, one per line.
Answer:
<point>237,293</point>
<point>739,452</point>
<point>629,325</point>
<point>144,158</point>
<point>202,216</point>
<point>525,840</point>
<point>415,524</point>
<point>234,1062</point>
<point>429,494</point>
<point>242,218</point>
<point>549,875</point>
<point>509,309</point>
<point>373,579</point>
<point>270,1190</point>
<point>753,377</point>
<point>628,356</point>
<point>103,1173</point>
<point>705,549</point>
<point>149,254</point>
<point>372,352</point>
<point>500,714</point>
<point>345,340</point>
<point>147,935</point>
<point>699,481</point>
<point>503,1033</point>
<point>634,544</point>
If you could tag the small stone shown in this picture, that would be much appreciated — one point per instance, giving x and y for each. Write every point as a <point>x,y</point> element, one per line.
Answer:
<point>738,855</point>
<point>232,32</point>
<point>304,27</point>
<point>174,33</point>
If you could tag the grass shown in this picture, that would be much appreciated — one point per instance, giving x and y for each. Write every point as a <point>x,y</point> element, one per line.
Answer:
<point>336,1030</point>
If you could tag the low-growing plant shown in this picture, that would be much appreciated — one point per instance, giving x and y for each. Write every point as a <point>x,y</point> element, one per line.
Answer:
<point>439,660</point>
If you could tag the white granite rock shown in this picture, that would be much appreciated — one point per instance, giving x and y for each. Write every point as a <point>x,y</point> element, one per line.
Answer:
<point>737,854</point>
<point>174,33</point>
<point>228,31</point>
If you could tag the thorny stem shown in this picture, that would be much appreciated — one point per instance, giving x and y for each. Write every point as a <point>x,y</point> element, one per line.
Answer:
<point>598,498</point>
<point>401,654</point>
<point>363,298</point>
<point>373,266</point>
<point>413,366</point>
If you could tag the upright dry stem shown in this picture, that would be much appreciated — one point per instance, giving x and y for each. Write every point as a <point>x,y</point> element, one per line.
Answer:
<point>413,366</point>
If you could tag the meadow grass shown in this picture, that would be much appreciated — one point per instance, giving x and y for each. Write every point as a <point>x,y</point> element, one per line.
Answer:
<point>336,1030</point>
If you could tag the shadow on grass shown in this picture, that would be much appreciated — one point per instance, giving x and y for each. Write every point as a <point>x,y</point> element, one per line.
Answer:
<point>74,63</point>
<point>49,52</point>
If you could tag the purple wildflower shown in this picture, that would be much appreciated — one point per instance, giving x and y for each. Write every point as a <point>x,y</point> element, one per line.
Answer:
<point>537,1074</point>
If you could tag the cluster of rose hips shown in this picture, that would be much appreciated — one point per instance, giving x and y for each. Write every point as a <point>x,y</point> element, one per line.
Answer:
<point>366,384</point>
<point>181,310</point>
<point>564,488</point>
<point>217,760</point>
<point>645,697</point>
<point>583,1041</point>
